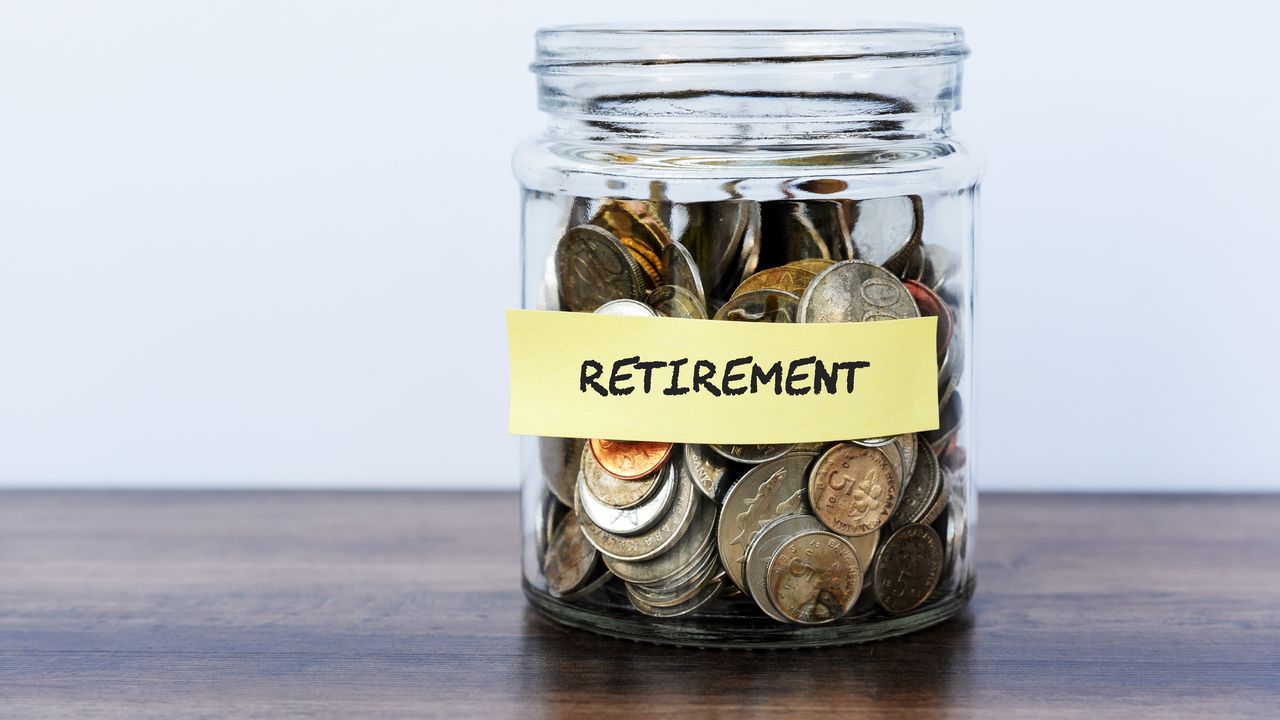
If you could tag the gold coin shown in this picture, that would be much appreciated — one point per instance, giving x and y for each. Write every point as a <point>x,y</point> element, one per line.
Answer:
<point>854,489</point>
<point>642,239</point>
<point>787,278</point>
<point>815,577</point>
<point>813,265</point>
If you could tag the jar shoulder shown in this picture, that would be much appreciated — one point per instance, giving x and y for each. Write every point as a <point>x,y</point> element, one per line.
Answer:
<point>688,174</point>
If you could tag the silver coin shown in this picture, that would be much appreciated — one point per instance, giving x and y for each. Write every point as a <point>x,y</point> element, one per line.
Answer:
<point>654,541</point>
<point>886,231</point>
<point>921,489</point>
<point>767,540</point>
<point>710,473</point>
<point>792,232</point>
<point>593,267</point>
<point>544,524</point>
<point>749,249</point>
<point>701,568</point>
<point>907,444</point>
<point>954,541</point>
<point>705,595</point>
<point>856,291</point>
<point>626,308</point>
<point>682,271</point>
<point>691,548</point>
<point>593,585</point>
<point>632,520</point>
<point>939,500</point>
<point>765,492</point>
<point>952,366</point>
<point>676,302</point>
<point>948,424</point>
<point>833,221</point>
<point>560,458</point>
<point>914,268</point>
<point>570,558</point>
<point>940,267</point>
<point>751,454</point>
<point>580,212</point>
<point>677,592</point>
<point>714,236</point>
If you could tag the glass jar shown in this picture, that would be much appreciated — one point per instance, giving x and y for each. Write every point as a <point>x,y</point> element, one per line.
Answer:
<point>774,164</point>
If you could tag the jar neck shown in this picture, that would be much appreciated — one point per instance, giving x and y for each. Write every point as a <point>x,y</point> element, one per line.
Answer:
<point>750,88</point>
<point>749,132</point>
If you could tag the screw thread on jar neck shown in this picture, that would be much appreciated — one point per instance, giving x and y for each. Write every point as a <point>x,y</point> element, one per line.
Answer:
<point>748,87</point>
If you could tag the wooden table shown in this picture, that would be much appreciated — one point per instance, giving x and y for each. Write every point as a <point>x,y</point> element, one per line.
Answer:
<point>382,605</point>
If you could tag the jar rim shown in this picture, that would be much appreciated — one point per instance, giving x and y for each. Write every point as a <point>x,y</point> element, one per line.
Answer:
<point>561,49</point>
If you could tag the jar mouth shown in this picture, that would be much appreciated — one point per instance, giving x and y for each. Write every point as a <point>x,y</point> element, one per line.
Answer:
<point>589,48</point>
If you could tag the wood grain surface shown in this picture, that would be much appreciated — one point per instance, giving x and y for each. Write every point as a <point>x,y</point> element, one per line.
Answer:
<point>390,605</point>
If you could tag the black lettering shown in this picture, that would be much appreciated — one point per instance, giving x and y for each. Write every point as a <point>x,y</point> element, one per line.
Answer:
<point>850,367</point>
<point>794,377</point>
<point>591,371</point>
<point>616,376</point>
<point>823,379</point>
<point>675,388</point>
<point>703,371</point>
<point>774,372</point>
<point>648,366</point>
<point>731,376</point>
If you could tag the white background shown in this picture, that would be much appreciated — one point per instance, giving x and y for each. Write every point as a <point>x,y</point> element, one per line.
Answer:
<point>269,243</point>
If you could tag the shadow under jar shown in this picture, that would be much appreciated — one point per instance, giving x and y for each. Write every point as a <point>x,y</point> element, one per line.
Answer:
<point>753,175</point>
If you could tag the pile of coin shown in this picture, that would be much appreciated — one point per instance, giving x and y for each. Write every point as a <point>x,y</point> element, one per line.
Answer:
<point>811,532</point>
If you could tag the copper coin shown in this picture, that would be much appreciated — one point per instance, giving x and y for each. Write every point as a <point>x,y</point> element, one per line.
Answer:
<point>932,306</point>
<point>630,459</point>
<point>907,568</point>
<point>854,489</point>
<point>617,494</point>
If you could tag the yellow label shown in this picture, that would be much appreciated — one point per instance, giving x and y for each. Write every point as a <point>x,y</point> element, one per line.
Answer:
<point>700,381</point>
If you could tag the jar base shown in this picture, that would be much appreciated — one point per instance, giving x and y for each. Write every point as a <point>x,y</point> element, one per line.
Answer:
<point>713,629</point>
